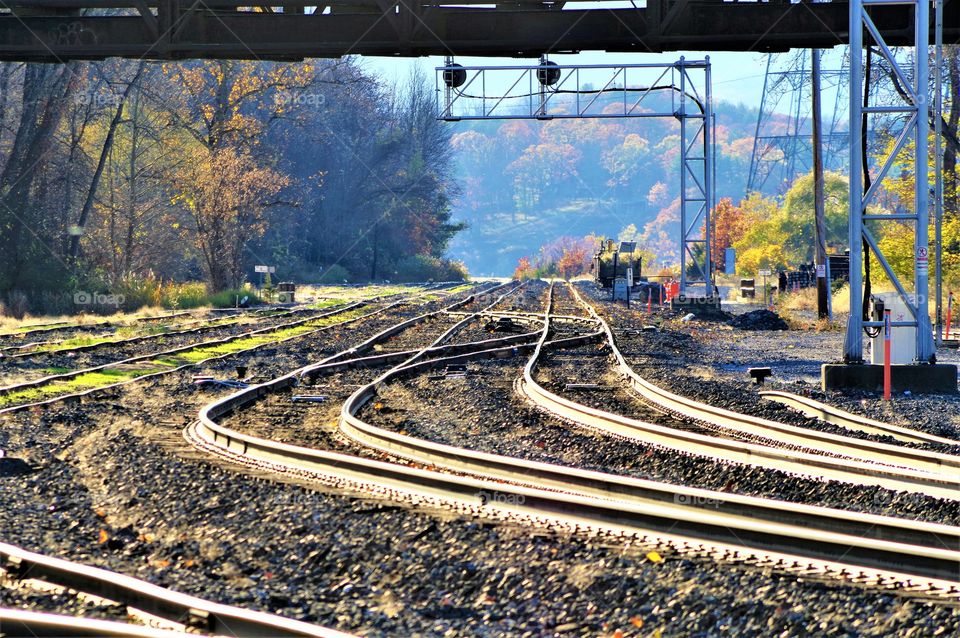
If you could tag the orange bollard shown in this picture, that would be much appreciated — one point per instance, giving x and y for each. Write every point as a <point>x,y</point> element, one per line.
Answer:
<point>887,334</point>
<point>649,302</point>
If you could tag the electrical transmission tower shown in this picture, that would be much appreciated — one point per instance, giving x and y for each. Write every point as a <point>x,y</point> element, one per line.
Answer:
<point>782,146</point>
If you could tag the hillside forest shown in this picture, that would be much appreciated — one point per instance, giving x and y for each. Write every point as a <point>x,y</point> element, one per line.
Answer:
<point>566,184</point>
<point>125,177</point>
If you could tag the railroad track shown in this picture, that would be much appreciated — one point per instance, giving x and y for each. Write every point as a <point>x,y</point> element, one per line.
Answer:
<point>836,416</point>
<point>823,455</point>
<point>760,442</point>
<point>68,327</point>
<point>162,612</point>
<point>60,387</point>
<point>806,539</point>
<point>37,349</point>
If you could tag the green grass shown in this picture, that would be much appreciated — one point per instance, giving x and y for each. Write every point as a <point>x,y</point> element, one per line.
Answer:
<point>86,381</point>
<point>109,376</point>
<point>460,288</point>
<point>326,303</point>
<point>123,333</point>
<point>205,352</point>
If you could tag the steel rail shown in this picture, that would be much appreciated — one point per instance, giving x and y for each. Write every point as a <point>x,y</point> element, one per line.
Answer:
<point>28,330</point>
<point>205,344</point>
<point>732,450</point>
<point>220,322</point>
<point>436,287</point>
<point>836,416</point>
<point>76,396</point>
<point>53,378</point>
<point>17,623</point>
<point>196,613</point>
<point>87,392</point>
<point>572,503</point>
<point>17,349</point>
<point>909,468</point>
<point>617,487</point>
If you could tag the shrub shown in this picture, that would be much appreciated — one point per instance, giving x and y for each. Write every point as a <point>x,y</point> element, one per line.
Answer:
<point>427,268</point>
<point>524,270</point>
<point>138,291</point>
<point>17,305</point>
<point>335,274</point>
<point>228,298</point>
<point>185,296</point>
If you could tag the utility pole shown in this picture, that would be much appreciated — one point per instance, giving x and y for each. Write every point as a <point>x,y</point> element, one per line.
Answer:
<point>823,285</point>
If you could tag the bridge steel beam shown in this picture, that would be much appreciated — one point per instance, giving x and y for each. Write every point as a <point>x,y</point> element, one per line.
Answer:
<point>59,30</point>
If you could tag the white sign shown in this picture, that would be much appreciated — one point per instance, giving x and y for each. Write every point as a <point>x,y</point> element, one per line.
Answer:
<point>765,273</point>
<point>821,270</point>
<point>630,277</point>
<point>620,289</point>
<point>269,269</point>
<point>922,259</point>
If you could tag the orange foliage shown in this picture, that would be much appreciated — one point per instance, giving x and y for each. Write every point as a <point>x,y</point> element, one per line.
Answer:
<point>574,261</point>
<point>524,269</point>
<point>729,223</point>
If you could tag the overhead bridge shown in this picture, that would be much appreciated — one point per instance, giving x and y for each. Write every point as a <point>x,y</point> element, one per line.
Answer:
<point>60,30</point>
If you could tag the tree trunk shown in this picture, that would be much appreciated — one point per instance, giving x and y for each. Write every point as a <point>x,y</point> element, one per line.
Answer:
<point>950,196</point>
<point>104,152</point>
<point>46,90</point>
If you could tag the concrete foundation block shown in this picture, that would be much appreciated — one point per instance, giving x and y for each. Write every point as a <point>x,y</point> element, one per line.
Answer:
<point>938,378</point>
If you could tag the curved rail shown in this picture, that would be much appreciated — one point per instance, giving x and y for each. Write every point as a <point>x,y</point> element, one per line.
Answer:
<point>836,416</point>
<point>196,613</point>
<point>845,458</point>
<point>535,490</point>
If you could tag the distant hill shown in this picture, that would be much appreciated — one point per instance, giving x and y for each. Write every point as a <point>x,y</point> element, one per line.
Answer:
<point>525,183</point>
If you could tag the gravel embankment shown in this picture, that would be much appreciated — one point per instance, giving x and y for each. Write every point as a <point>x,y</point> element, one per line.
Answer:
<point>117,467</point>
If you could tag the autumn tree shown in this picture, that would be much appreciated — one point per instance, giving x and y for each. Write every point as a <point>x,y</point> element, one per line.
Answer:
<point>136,226</point>
<point>538,173</point>
<point>729,224</point>
<point>226,177</point>
<point>226,192</point>
<point>524,269</point>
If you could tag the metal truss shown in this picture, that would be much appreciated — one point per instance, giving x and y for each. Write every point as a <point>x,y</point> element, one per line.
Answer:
<point>916,129</point>
<point>780,156</point>
<point>548,91</point>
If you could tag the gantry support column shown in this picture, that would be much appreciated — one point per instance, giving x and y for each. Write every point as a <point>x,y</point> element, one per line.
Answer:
<point>915,130</point>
